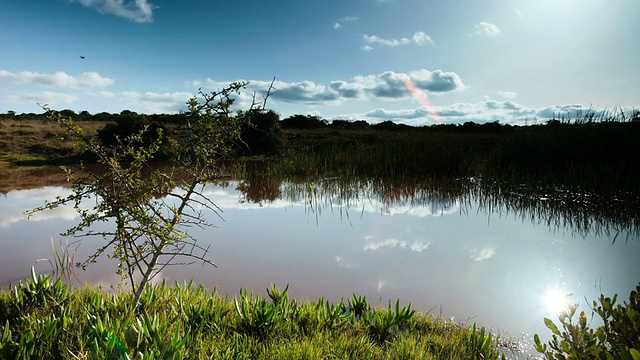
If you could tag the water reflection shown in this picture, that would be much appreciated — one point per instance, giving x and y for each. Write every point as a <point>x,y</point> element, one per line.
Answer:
<point>615,215</point>
<point>556,300</point>
<point>452,249</point>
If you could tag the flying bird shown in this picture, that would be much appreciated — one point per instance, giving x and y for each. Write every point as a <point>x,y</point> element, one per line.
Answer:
<point>81,57</point>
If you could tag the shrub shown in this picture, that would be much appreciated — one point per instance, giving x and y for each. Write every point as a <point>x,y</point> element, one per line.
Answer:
<point>262,135</point>
<point>128,125</point>
<point>617,338</point>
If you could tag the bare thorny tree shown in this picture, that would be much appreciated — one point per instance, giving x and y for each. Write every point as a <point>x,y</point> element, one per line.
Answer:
<point>149,208</point>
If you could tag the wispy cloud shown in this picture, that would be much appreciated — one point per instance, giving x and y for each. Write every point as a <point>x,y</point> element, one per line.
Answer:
<point>508,94</point>
<point>59,79</point>
<point>54,99</point>
<point>490,110</point>
<point>152,102</point>
<point>140,11</point>
<point>418,38</point>
<point>417,246</point>
<point>482,254</point>
<point>505,112</point>
<point>339,24</point>
<point>342,263</point>
<point>486,29</point>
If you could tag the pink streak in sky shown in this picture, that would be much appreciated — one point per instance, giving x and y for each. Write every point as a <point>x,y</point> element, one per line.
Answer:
<point>419,95</point>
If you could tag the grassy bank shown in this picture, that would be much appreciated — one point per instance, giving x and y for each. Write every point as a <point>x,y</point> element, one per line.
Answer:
<point>45,319</point>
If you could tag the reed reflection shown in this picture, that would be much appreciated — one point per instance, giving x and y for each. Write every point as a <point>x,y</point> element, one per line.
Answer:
<point>616,216</point>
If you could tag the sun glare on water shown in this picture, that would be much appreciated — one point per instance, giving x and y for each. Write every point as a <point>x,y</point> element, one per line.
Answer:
<point>556,300</point>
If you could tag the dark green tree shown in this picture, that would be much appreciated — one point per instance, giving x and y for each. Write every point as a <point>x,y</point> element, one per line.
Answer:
<point>303,122</point>
<point>262,134</point>
<point>130,123</point>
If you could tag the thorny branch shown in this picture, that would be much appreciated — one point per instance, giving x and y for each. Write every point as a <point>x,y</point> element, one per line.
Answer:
<point>149,233</point>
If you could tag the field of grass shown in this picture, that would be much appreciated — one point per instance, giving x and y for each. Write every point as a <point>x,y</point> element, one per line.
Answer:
<point>36,142</point>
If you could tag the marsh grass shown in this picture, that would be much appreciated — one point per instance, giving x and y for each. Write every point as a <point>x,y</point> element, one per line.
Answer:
<point>577,173</point>
<point>596,151</point>
<point>41,318</point>
<point>63,263</point>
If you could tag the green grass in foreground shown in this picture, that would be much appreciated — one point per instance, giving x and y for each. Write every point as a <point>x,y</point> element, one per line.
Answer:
<point>43,319</point>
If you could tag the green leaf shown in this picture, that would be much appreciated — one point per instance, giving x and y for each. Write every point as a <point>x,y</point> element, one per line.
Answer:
<point>635,354</point>
<point>541,348</point>
<point>551,326</point>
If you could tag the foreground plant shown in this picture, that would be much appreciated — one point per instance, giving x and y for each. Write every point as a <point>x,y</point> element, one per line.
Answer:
<point>149,207</point>
<point>481,345</point>
<point>180,322</point>
<point>383,324</point>
<point>617,338</point>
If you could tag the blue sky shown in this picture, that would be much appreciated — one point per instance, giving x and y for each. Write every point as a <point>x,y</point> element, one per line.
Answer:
<point>410,61</point>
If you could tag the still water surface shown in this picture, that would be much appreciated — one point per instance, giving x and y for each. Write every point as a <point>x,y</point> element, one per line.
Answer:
<point>454,257</point>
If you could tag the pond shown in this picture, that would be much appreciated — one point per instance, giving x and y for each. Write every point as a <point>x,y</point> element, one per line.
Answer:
<point>465,253</point>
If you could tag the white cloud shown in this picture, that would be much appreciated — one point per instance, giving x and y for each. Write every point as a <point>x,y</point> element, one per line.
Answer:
<point>157,102</point>
<point>568,111</point>
<point>20,200</point>
<point>107,94</point>
<point>417,246</point>
<point>348,18</point>
<point>436,81</point>
<point>59,79</point>
<point>366,48</point>
<point>388,85</point>
<point>481,254</point>
<point>506,112</point>
<point>193,83</point>
<point>418,38</point>
<point>339,24</point>
<point>140,11</point>
<point>436,210</point>
<point>508,94</point>
<point>486,29</point>
<point>392,85</point>
<point>340,261</point>
<point>53,99</point>
<point>305,91</point>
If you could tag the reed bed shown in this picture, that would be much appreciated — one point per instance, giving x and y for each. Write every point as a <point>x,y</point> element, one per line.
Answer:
<point>592,153</point>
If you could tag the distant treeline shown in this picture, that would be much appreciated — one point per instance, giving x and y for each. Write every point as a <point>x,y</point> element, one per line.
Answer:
<point>311,122</point>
